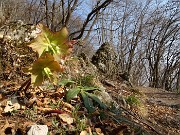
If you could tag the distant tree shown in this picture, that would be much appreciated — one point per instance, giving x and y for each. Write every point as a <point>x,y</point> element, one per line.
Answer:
<point>145,35</point>
<point>162,45</point>
<point>54,13</point>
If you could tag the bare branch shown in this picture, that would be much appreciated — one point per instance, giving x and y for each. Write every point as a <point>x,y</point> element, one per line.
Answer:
<point>90,16</point>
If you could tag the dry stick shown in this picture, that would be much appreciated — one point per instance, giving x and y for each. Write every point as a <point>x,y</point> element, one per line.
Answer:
<point>54,111</point>
<point>143,121</point>
<point>26,88</point>
<point>26,83</point>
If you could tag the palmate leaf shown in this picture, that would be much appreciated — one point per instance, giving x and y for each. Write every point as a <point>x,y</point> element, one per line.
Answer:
<point>55,43</point>
<point>44,68</point>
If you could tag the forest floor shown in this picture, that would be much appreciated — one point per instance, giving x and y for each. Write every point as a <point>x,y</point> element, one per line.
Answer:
<point>158,112</point>
<point>159,109</point>
<point>163,110</point>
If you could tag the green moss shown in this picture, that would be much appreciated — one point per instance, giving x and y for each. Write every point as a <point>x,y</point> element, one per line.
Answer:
<point>132,100</point>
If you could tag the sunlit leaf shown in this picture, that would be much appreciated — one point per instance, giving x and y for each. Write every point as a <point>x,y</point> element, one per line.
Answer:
<point>87,102</point>
<point>72,93</point>
<point>55,43</point>
<point>47,72</point>
<point>44,68</point>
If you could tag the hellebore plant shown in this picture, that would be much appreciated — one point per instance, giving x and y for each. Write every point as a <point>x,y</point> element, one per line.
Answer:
<point>52,49</point>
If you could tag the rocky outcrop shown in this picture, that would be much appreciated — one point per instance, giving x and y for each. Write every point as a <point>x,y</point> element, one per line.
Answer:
<point>80,68</point>
<point>18,32</point>
<point>104,59</point>
<point>14,52</point>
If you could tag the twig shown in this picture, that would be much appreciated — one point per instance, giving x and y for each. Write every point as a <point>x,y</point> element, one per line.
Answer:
<point>53,111</point>
<point>26,86</point>
<point>143,121</point>
<point>26,83</point>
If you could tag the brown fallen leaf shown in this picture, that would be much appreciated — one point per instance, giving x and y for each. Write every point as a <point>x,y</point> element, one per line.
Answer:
<point>66,118</point>
<point>6,125</point>
<point>67,105</point>
<point>12,104</point>
<point>27,124</point>
<point>90,131</point>
<point>83,132</point>
<point>98,131</point>
<point>48,124</point>
<point>119,130</point>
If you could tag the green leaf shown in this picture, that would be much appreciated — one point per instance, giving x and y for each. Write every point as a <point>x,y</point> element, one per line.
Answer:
<point>72,93</point>
<point>87,102</point>
<point>44,68</point>
<point>47,72</point>
<point>66,82</point>
<point>89,88</point>
<point>55,43</point>
<point>95,98</point>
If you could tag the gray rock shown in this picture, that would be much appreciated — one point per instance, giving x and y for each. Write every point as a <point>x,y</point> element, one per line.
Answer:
<point>104,59</point>
<point>18,32</point>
